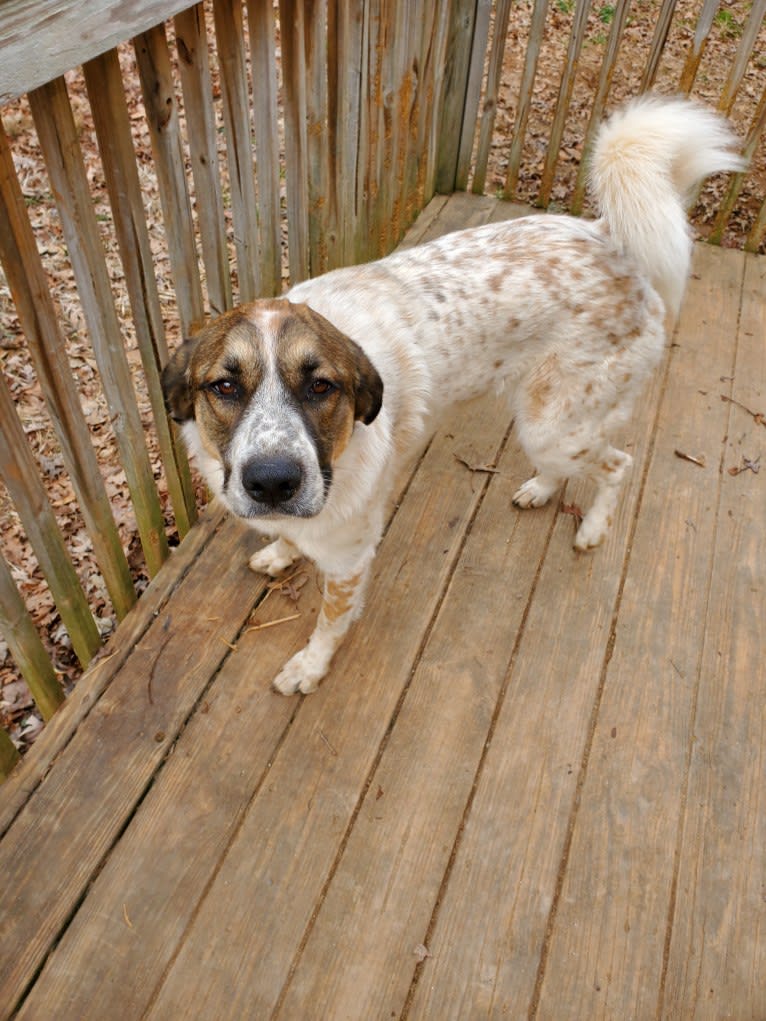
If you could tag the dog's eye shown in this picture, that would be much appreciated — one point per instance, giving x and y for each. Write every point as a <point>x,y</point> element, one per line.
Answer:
<point>225,388</point>
<point>320,387</point>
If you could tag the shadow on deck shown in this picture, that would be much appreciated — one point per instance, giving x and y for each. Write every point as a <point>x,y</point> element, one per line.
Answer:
<point>533,782</point>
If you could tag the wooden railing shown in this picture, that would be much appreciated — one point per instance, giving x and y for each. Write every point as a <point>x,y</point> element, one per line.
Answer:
<point>286,138</point>
<point>557,68</point>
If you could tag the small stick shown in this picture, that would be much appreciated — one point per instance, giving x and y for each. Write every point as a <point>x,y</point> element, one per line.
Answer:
<point>688,457</point>
<point>476,467</point>
<point>333,750</point>
<point>758,416</point>
<point>272,623</point>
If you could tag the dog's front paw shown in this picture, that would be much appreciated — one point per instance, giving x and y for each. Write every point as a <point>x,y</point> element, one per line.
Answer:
<point>274,558</point>
<point>535,492</point>
<point>298,674</point>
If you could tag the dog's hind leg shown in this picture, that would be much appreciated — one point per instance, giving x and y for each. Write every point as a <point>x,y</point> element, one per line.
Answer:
<point>564,416</point>
<point>608,474</point>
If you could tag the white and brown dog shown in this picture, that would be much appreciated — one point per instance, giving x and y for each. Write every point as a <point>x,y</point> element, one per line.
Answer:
<point>299,410</point>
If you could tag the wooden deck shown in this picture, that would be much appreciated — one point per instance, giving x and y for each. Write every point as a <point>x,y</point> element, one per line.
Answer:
<point>533,784</point>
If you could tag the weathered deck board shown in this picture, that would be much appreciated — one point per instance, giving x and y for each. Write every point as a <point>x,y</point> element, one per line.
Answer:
<point>621,862</point>
<point>533,783</point>
<point>717,950</point>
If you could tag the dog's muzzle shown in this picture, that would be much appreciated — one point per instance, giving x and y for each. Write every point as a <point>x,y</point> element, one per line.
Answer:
<point>272,481</point>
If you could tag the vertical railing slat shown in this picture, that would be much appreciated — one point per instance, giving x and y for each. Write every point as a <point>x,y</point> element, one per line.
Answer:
<point>492,91</point>
<point>196,83</point>
<point>742,56</point>
<point>34,306</point>
<point>434,62</point>
<point>697,48</point>
<point>599,102</point>
<point>660,37</point>
<point>462,14</point>
<point>58,140</point>
<point>368,126</point>
<point>737,181</point>
<point>473,90</point>
<point>757,232</point>
<point>21,476</point>
<point>409,97</point>
<point>531,58</point>
<point>392,44</point>
<point>292,30</point>
<point>413,99</point>
<point>9,755</point>
<point>26,647</point>
<point>566,88</point>
<point>161,105</point>
<point>263,61</point>
<point>112,124</point>
<point>232,67</point>
<point>322,222</point>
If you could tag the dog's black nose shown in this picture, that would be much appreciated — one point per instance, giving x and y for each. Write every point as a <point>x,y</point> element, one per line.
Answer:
<point>272,481</point>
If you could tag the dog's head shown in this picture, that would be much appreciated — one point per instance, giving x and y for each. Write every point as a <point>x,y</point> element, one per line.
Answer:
<point>273,390</point>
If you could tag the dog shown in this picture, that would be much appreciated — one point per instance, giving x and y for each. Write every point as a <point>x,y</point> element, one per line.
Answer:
<point>300,410</point>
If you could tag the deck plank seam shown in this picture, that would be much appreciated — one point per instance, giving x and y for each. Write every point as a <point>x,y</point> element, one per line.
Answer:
<point>258,598</point>
<point>236,827</point>
<point>280,740</point>
<point>483,489</point>
<point>454,851</point>
<point>117,661</point>
<point>595,712</point>
<point>684,800</point>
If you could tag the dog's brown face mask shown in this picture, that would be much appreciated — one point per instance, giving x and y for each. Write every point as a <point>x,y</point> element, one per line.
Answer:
<point>274,391</point>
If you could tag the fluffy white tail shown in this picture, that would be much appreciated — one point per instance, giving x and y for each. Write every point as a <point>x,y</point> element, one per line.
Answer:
<point>646,161</point>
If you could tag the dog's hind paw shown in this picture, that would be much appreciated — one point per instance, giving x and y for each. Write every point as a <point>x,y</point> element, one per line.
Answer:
<point>274,558</point>
<point>535,492</point>
<point>591,532</point>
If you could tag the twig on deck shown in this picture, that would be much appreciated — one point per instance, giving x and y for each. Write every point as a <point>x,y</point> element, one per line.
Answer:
<point>488,468</point>
<point>271,623</point>
<point>333,750</point>
<point>758,416</point>
<point>700,461</point>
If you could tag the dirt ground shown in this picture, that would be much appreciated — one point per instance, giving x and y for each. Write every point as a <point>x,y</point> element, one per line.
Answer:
<point>16,709</point>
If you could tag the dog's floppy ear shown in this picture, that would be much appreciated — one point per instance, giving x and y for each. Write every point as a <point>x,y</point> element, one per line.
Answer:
<point>176,383</point>
<point>369,388</point>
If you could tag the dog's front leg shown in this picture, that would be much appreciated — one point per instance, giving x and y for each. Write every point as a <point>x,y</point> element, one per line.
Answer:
<point>342,602</point>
